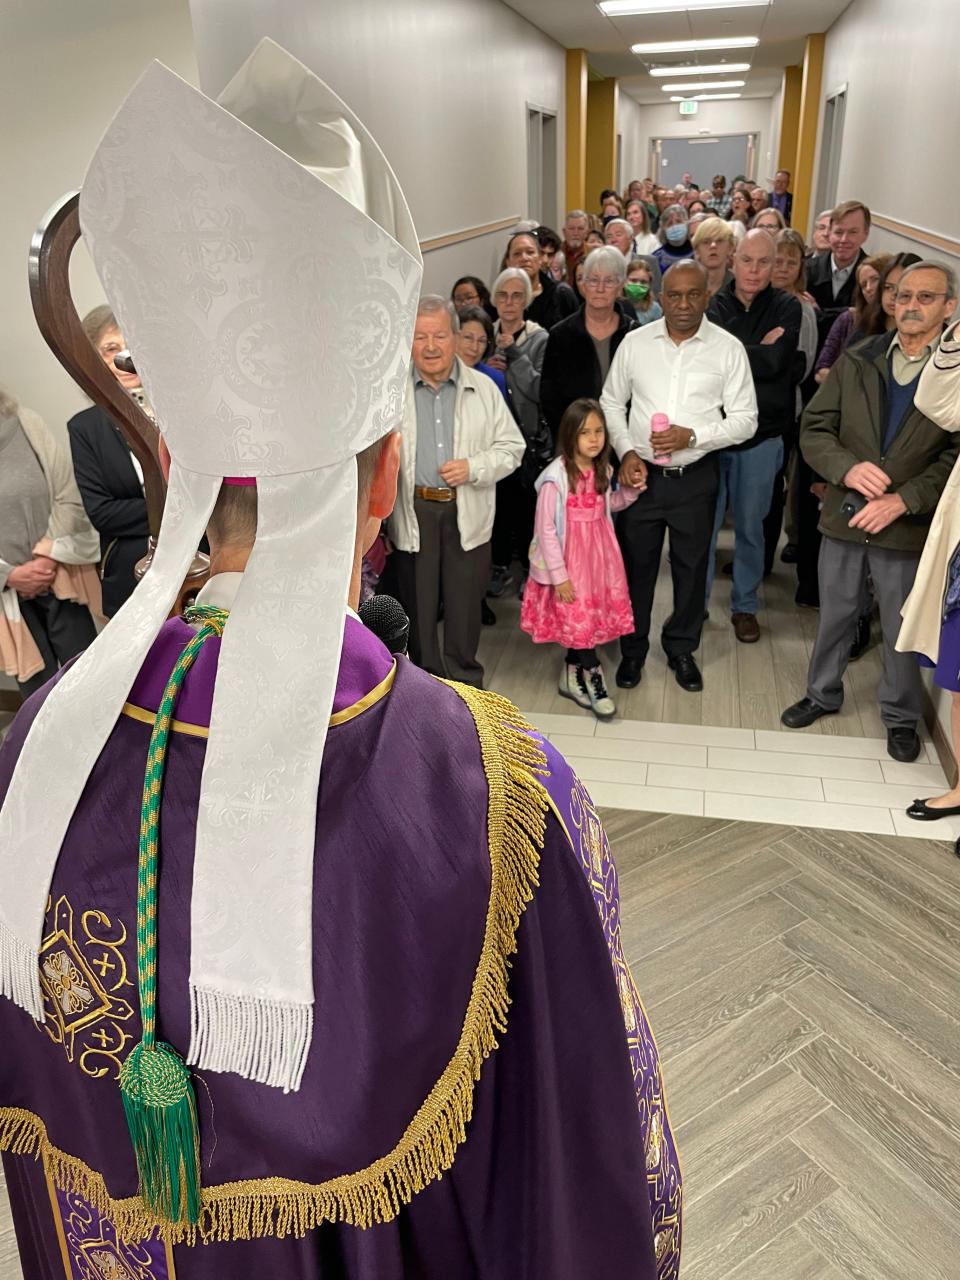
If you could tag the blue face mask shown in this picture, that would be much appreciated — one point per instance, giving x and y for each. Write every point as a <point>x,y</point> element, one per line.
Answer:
<point>677,233</point>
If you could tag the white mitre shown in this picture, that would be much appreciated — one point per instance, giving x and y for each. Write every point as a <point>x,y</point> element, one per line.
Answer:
<point>263,265</point>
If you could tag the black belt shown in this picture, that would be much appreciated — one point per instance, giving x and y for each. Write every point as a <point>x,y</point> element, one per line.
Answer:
<point>674,473</point>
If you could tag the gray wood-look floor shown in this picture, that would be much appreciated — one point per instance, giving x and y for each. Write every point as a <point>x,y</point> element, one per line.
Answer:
<point>803,989</point>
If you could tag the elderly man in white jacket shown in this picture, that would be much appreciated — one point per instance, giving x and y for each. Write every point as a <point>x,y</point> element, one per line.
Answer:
<point>458,441</point>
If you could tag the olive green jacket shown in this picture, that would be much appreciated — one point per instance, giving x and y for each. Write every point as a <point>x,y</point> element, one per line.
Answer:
<point>845,423</point>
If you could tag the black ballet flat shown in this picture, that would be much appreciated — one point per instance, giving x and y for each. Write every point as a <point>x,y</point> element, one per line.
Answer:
<point>923,813</point>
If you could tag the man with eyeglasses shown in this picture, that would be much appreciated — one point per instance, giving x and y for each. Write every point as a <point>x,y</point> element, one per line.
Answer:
<point>885,464</point>
<point>699,377</point>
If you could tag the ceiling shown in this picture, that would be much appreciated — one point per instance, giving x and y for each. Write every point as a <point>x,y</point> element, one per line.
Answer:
<point>781,26</point>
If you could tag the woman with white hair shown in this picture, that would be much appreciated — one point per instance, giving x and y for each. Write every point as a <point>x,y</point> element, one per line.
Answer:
<point>674,237</point>
<point>519,351</point>
<point>581,347</point>
<point>49,588</point>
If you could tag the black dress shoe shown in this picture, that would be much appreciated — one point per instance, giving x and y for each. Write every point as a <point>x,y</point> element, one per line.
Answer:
<point>727,569</point>
<point>487,616</point>
<point>903,744</point>
<point>861,641</point>
<point>923,813</point>
<point>790,553</point>
<point>804,713</point>
<point>687,672</point>
<point>956,847</point>
<point>629,673</point>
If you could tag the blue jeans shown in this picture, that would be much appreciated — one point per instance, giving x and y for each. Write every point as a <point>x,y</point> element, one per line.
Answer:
<point>746,486</point>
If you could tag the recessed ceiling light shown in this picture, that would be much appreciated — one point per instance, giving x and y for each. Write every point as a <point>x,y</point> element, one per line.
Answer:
<point>696,46</point>
<point>707,97</point>
<point>703,84</point>
<point>624,8</point>
<point>718,68</point>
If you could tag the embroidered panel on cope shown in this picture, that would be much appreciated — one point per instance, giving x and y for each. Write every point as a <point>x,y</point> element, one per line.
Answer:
<point>85,975</point>
<point>664,1183</point>
<point>92,1250</point>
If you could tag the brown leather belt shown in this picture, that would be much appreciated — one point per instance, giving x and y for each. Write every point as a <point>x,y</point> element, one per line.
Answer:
<point>435,495</point>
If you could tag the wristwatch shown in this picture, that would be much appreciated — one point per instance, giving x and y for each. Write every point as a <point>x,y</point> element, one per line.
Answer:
<point>692,442</point>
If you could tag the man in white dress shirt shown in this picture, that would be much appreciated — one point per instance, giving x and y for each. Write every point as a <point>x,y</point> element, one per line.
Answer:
<point>699,376</point>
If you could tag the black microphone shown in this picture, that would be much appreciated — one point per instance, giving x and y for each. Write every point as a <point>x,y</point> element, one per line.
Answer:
<point>385,617</point>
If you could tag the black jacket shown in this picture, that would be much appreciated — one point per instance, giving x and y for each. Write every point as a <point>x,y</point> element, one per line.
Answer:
<point>112,498</point>
<point>570,365</point>
<point>820,288</point>
<point>555,303</point>
<point>775,366</point>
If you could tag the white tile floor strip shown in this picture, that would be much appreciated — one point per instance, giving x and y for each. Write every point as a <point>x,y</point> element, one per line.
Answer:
<point>835,783</point>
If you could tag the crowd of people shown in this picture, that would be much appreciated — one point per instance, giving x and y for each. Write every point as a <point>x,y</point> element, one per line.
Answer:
<point>679,359</point>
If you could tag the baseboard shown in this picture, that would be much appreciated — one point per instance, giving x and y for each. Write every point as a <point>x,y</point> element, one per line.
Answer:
<point>941,743</point>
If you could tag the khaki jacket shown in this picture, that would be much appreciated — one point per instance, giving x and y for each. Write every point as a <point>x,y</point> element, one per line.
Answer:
<point>486,435</point>
<point>938,396</point>
<point>845,423</point>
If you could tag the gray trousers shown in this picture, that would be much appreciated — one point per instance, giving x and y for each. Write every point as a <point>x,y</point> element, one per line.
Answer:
<point>441,569</point>
<point>842,569</point>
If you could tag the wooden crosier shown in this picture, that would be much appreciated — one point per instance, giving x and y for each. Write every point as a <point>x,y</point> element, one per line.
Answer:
<point>58,321</point>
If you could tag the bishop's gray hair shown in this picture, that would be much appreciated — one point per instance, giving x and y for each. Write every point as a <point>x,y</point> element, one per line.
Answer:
<point>432,304</point>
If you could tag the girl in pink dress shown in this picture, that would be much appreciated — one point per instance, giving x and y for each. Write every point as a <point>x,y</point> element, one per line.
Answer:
<point>577,591</point>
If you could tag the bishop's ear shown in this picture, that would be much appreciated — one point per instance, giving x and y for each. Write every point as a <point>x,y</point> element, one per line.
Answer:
<point>383,489</point>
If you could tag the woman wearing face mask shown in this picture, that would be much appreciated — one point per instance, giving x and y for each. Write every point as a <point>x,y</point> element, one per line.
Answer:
<point>638,291</point>
<point>580,348</point>
<point>674,237</point>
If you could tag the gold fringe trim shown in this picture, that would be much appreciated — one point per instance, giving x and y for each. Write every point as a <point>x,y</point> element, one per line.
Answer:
<point>516,824</point>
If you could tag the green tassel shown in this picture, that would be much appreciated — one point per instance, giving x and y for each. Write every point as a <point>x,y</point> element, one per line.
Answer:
<point>155,1085</point>
<point>161,1112</point>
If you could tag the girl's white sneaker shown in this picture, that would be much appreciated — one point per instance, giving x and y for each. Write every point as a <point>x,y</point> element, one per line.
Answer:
<point>573,686</point>
<point>601,703</point>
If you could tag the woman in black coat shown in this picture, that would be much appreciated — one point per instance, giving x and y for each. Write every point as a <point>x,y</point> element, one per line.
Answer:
<point>107,476</point>
<point>580,348</point>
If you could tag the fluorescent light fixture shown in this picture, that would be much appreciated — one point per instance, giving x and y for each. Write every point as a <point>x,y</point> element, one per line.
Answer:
<point>718,69</point>
<point>694,85</point>
<point>697,46</point>
<point>625,8</point>
<point>707,97</point>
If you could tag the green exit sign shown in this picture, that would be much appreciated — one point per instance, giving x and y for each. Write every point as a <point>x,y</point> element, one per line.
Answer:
<point>689,108</point>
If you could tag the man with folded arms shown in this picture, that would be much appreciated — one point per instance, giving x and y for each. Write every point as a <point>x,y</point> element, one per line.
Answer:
<point>699,376</point>
<point>458,441</point>
<point>885,464</point>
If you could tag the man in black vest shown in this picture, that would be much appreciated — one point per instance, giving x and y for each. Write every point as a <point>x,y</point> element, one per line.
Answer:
<point>885,465</point>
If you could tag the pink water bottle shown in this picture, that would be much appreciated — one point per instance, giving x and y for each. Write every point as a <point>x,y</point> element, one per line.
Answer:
<point>659,422</point>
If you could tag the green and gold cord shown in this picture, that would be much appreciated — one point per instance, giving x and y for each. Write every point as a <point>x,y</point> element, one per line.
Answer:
<point>155,1084</point>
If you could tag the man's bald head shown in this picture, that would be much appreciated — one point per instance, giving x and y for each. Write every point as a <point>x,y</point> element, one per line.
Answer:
<point>753,264</point>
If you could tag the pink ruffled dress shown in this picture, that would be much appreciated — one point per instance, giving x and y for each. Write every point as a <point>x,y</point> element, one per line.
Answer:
<point>589,557</point>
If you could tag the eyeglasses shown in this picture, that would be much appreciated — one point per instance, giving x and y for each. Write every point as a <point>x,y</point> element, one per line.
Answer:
<point>473,340</point>
<point>467,297</point>
<point>602,282</point>
<point>924,297</point>
<point>509,297</point>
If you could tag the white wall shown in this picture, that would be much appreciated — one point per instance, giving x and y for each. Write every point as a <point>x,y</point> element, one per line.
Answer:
<point>899,63</point>
<point>65,69</point>
<point>746,115</point>
<point>443,87</point>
